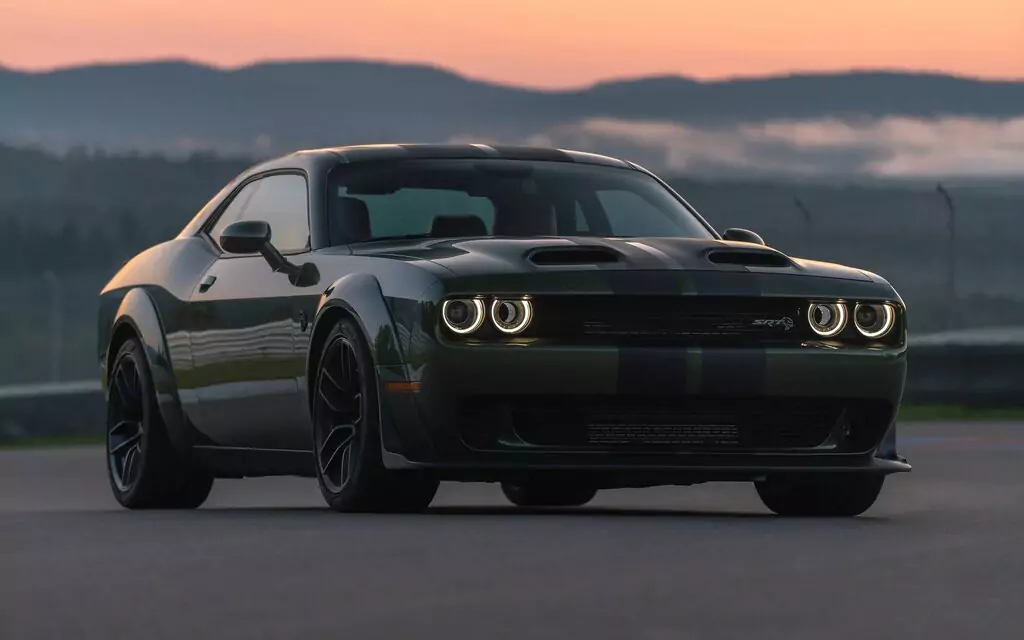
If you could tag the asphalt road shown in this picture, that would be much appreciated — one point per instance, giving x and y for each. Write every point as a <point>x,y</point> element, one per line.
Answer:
<point>939,556</point>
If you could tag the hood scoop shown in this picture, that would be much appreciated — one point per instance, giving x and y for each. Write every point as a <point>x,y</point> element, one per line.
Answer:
<point>749,258</point>
<point>558,256</point>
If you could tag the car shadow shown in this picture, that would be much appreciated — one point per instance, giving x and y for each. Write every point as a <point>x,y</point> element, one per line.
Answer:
<point>625,512</point>
<point>512,512</point>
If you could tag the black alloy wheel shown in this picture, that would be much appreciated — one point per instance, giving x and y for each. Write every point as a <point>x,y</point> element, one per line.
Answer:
<point>346,433</point>
<point>340,413</point>
<point>823,495</point>
<point>126,438</point>
<point>144,468</point>
<point>548,493</point>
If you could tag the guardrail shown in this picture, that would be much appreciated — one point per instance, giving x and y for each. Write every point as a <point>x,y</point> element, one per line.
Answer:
<point>981,368</point>
<point>53,410</point>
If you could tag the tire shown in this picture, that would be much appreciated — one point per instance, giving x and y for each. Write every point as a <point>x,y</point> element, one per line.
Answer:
<point>346,433</point>
<point>547,494</point>
<point>837,495</point>
<point>143,467</point>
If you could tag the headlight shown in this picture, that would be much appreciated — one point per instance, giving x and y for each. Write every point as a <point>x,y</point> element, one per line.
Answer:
<point>511,316</point>
<point>874,320</point>
<point>463,315</point>
<point>827,318</point>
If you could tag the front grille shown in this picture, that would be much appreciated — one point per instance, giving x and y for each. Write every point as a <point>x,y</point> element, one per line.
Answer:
<point>677,320</point>
<point>623,423</point>
<point>618,423</point>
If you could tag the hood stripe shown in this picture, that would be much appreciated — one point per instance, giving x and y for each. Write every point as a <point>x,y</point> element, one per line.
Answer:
<point>657,253</point>
<point>489,150</point>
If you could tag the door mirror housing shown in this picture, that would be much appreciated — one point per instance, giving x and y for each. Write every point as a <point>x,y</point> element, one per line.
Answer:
<point>742,235</point>
<point>253,236</point>
<point>245,236</point>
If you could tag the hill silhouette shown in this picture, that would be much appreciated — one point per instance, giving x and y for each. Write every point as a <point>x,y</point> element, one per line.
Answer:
<point>262,109</point>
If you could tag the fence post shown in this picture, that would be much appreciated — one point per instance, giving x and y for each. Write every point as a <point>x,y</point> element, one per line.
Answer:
<point>950,256</point>
<point>56,325</point>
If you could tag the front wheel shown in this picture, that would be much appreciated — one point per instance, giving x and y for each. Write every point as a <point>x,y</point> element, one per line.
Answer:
<point>823,495</point>
<point>346,433</point>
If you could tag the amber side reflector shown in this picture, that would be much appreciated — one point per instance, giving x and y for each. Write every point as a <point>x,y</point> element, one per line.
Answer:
<point>403,387</point>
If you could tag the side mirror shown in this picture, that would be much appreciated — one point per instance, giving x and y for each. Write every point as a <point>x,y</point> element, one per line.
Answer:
<point>245,236</point>
<point>253,236</point>
<point>742,235</point>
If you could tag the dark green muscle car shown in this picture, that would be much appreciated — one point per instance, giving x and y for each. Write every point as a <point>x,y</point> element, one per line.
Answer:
<point>387,317</point>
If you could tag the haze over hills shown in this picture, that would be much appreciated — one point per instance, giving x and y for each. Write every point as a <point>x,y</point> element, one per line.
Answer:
<point>82,214</point>
<point>862,123</point>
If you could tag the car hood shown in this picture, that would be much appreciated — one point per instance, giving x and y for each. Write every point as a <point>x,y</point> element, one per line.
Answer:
<point>504,256</point>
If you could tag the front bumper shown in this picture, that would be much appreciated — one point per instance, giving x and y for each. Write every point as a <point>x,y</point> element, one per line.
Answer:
<point>656,415</point>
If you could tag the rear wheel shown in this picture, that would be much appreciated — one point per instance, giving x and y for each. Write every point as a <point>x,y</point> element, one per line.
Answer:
<point>346,433</point>
<point>144,469</point>
<point>821,495</point>
<point>548,494</point>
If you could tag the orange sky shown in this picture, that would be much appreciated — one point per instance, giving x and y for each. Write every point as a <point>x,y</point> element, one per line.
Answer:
<point>533,42</point>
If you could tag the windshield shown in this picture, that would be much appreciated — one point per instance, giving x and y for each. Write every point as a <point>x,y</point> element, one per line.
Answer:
<point>473,198</point>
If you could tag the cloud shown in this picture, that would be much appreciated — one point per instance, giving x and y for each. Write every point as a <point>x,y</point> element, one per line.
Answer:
<point>884,147</point>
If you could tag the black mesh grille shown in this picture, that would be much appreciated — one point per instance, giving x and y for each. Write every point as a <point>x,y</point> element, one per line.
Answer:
<point>617,423</point>
<point>671,320</point>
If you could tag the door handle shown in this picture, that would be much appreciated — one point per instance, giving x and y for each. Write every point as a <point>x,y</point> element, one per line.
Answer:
<point>207,282</point>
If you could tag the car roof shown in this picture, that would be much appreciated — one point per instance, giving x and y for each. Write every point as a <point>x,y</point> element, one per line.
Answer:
<point>372,152</point>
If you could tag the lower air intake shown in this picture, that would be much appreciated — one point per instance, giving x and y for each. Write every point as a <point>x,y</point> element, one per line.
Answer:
<point>621,423</point>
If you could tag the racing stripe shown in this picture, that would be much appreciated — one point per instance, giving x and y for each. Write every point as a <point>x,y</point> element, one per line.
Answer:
<point>737,371</point>
<point>373,152</point>
<point>445,151</point>
<point>652,371</point>
<point>684,253</point>
<point>489,150</point>
<point>647,370</point>
<point>634,258</point>
<point>532,153</point>
<point>593,158</point>
<point>666,261</point>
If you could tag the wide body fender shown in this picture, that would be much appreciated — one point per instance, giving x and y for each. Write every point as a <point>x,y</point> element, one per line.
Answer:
<point>138,313</point>
<point>360,296</point>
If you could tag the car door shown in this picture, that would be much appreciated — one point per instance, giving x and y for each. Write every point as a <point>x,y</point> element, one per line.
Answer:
<point>243,324</point>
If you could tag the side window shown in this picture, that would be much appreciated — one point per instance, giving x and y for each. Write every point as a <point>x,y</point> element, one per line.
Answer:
<point>631,215</point>
<point>281,202</point>
<point>233,210</point>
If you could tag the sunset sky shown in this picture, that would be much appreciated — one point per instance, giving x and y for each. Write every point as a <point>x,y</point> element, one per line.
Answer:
<point>531,42</point>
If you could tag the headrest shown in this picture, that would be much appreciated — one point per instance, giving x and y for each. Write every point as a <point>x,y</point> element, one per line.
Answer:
<point>457,227</point>
<point>350,221</point>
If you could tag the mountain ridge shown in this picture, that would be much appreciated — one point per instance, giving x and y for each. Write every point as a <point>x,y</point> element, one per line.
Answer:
<point>180,106</point>
<point>611,80</point>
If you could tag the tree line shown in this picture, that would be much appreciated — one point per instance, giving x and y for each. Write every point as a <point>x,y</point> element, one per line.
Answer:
<point>89,209</point>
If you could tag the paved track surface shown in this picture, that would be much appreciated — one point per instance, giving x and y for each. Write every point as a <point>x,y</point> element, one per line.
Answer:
<point>941,555</point>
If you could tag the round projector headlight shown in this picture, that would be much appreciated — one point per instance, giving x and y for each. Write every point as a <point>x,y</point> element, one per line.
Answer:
<point>827,318</point>
<point>463,315</point>
<point>511,316</point>
<point>874,320</point>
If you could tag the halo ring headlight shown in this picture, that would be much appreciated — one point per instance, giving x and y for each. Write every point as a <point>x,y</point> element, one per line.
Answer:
<point>827,319</point>
<point>874,320</point>
<point>463,315</point>
<point>511,315</point>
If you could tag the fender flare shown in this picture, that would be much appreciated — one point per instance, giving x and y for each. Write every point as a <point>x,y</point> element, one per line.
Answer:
<point>360,297</point>
<point>138,313</point>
